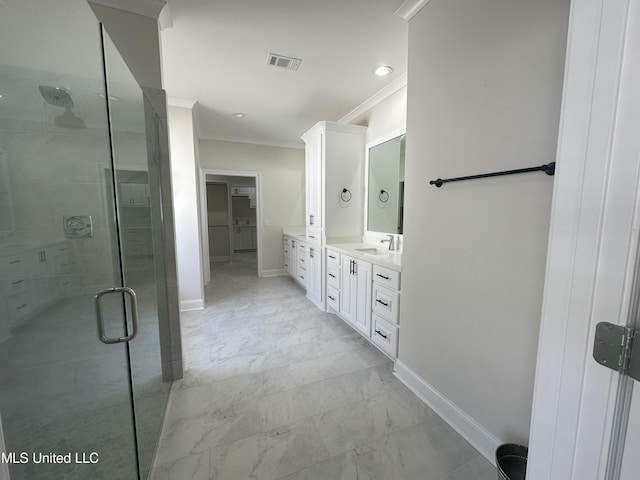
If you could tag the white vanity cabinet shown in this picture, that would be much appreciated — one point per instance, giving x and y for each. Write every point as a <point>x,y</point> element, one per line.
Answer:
<point>334,162</point>
<point>366,295</point>
<point>333,280</point>
<point>291,256</point>
<point>302,263</point>
<point>355,293</point>
<point>134,194</point>
<point>385,305</point>
<point>314,273</point>
<point>313,179</point>
<point>31,280</point>
<point>287,254</point>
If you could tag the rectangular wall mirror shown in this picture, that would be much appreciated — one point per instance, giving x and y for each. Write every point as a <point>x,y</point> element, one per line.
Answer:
<point>386,186</point>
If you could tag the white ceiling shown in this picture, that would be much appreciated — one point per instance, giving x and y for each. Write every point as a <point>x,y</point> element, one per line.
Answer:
<point>216,51</point>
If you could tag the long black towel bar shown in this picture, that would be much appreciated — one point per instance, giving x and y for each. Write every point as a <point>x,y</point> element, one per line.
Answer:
<point>549,169</point>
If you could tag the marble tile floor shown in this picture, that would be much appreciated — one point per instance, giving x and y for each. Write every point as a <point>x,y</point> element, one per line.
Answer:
<point>276,389</point>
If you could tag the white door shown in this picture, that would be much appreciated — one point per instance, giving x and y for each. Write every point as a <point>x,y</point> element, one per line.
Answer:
<point>582,411</point>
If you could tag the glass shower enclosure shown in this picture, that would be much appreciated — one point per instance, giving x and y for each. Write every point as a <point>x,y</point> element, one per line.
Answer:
<point>85,341</point>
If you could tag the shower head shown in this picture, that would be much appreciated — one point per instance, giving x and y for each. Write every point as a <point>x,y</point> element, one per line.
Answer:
<point>69,120</point>
<point>58,96</point>
<point>61,97</point>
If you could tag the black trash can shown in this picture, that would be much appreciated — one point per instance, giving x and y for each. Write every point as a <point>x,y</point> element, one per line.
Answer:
<point>511,460</point>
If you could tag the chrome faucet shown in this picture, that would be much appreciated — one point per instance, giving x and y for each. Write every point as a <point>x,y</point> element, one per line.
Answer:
<point>391,241</point>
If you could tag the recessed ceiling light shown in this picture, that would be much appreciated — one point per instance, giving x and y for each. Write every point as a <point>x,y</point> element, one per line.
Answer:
<point>238,115</point>
<point>383,70</point>
<point>0,95</point>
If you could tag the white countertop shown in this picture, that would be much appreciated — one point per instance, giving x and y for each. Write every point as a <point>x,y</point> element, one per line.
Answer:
<point>383,257</point>
<point>388,259</point>
<point>302,236</point>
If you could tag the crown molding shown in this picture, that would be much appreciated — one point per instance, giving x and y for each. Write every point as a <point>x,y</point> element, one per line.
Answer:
<point>375,99</point>
<point>409,8</point>
<point>254,141</point>
<point>165,20</point>
<point>181,102</point>
<point>147,8</point>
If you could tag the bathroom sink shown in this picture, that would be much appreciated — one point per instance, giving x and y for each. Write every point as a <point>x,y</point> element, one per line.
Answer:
<point>372,251</point>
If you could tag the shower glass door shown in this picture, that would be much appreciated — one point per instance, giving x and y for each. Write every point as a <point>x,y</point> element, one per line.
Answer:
<point>74,221</point>
<point>140,226</point>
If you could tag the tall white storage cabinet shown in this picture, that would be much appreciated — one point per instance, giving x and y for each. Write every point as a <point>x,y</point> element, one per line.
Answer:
<point>334,181</point>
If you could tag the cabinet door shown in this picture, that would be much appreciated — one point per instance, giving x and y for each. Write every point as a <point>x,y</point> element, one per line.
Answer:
<point>348,289</point>
<point>126,194</point>
<point>134,194</point>
<point>237,238</point>
<point>141,194</point>
<point>37,261</point>
<point>293,259</point>
<point>314,272</point>
<point>313,181</point>
<point>362,317</point>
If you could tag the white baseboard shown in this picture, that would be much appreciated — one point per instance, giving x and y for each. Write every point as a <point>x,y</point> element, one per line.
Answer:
<point>474,433</point>
<point>276,272</point>
<point>187,305</point>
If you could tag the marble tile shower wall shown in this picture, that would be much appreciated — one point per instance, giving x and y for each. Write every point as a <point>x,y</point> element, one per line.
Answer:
<point>52,174</point>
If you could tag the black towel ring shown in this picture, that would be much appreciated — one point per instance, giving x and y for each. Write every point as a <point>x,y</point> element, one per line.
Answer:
<point>384,196</point>
<point>345,196</point>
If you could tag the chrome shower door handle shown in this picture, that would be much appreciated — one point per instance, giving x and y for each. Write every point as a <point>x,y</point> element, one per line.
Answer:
<point>100,318</point>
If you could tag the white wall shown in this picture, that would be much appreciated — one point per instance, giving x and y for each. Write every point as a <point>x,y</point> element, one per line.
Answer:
<point>484,89</point>
<point>137,38</point>
<point>282,187</point>
<point>186,207</point>
<point>389,115</point>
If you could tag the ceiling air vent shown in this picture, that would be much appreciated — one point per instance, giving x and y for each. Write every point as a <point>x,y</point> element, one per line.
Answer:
<point>281,61</point>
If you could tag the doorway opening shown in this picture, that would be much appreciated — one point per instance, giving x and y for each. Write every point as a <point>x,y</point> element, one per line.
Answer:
<point>231,219</point>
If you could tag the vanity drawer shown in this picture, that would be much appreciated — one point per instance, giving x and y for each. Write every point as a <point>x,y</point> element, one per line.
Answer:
<point>302,276</point>
<point>385,303</point>
<point>12,266</point>
<point>333,275</point>
<point>384,335</point>
<point>15,285</point>
<point>287,242</point>
<point>19,306</point>
<point>333,298</point>
<point>386,277</point>
<point>314,235</point>
<point>333,258</point>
